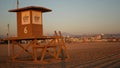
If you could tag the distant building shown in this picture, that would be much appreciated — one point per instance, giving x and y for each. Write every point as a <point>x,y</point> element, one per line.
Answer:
<point>98,36</point>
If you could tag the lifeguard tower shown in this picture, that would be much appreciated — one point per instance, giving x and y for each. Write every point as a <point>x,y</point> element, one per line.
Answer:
<point>30,28</point>
<point>29,21</point>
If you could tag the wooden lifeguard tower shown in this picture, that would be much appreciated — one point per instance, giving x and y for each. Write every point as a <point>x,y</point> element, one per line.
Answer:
<point>29,27</point>
<point>29,21</point>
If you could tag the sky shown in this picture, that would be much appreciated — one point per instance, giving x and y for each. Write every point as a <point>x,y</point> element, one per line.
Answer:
<point>70,16</point>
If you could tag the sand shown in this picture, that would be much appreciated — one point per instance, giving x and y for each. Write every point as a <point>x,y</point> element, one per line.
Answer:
<point>80,54</point>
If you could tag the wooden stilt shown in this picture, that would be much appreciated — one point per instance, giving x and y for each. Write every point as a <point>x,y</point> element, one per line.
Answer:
<point>63,44</point>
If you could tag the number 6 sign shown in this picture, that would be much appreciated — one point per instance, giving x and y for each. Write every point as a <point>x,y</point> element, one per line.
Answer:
<point>25,30</point>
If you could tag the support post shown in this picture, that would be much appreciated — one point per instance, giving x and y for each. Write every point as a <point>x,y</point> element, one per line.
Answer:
<point>8,35</point>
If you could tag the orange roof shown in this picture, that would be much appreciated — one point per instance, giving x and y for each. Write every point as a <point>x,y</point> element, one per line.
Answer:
<point>43,9</point>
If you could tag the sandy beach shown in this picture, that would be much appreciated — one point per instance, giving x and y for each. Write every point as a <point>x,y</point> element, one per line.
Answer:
<point>82,55</point>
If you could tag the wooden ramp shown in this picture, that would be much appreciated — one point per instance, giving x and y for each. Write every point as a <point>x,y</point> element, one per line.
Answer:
<point>53,46</point>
